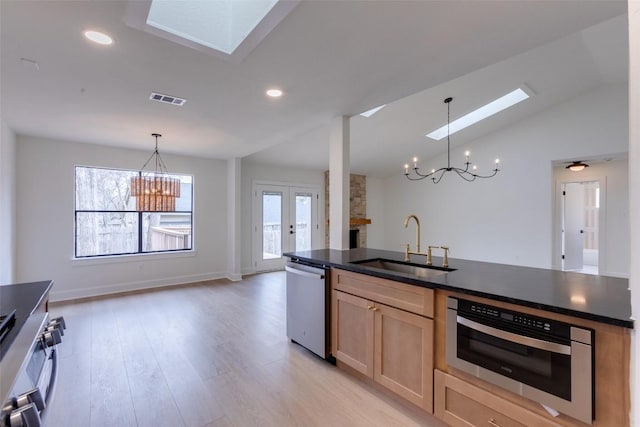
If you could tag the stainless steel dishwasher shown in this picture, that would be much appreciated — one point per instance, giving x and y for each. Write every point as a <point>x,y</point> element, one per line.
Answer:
<point>307,307</point>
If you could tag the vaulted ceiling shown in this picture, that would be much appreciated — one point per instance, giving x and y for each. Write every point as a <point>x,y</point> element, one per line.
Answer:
<point>330,58</point>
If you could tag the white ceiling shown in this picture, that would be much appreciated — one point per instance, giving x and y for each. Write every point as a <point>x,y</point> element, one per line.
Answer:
<point>331,58</point>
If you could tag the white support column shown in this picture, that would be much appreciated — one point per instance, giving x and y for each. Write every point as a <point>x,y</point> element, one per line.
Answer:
<point>234,232</point>
<point>634,201</point>
<point>339,184</point>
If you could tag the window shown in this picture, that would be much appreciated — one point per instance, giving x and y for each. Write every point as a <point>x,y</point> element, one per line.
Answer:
<point>107,223</point>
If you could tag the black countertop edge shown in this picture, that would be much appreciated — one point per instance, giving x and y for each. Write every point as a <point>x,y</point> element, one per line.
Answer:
<point>24,298</point>
<point>345,261</point>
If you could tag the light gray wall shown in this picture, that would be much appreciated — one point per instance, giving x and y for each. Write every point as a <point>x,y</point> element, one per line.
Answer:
<point>508,219</point>
<point>252,172</point>
<point>7,204</point>
<point>45,222</point>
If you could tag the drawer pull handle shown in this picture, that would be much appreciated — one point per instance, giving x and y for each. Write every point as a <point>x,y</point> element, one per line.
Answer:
<point>372,308</point>
<point>492,422</point>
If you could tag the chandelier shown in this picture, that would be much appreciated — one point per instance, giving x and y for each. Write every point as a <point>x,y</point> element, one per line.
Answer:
<point>155,191</point>
<point>437,174</point>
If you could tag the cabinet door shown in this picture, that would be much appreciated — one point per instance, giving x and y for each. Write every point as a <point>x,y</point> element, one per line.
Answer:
<point>352,331</point>
<point>404,354</point>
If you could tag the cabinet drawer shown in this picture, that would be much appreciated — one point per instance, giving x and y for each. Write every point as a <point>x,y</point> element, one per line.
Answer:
<point>415,299</point>
<point>459,403</point>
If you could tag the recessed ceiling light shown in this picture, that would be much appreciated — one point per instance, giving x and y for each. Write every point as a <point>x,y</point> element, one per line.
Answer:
<point>481,113</point>
<point>274,93</point>
<point>98,37</point>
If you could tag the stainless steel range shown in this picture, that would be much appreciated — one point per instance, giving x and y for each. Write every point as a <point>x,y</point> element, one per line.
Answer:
<point>28,353</point>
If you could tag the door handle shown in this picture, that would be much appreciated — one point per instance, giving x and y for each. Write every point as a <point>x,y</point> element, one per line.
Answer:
<point>303,273</point>
<point>510,336</point>
<point>581,231</point>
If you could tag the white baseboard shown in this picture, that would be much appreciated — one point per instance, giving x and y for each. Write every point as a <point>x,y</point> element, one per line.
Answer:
<point>71,294</point>
<point>234,277</point>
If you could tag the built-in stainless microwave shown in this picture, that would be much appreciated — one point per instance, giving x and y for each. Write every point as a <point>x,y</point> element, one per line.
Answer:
<point>544,360</point>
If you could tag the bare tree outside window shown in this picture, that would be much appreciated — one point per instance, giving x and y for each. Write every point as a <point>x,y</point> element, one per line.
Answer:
<point>108,224</point>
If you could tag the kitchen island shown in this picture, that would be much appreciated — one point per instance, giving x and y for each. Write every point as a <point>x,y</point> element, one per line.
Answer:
<point>599,298</point>
<point>393,328</point>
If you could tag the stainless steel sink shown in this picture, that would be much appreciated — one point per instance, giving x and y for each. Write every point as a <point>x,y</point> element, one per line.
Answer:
<point>423,271</point>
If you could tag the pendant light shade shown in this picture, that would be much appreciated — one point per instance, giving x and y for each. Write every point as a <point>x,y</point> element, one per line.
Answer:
<point>577,166</point>
<point>155,191</point>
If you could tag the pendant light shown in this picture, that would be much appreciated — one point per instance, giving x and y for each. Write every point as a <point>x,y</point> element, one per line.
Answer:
<point>155,191</point>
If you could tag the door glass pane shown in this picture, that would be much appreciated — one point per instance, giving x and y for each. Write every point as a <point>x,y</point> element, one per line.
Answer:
<point>271,225</point>
<point>303,222</point>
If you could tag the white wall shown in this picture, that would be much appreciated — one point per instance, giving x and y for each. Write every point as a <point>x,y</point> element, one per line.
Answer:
<point>614,236</point>
<point>252,172</point>
<point>508,219</point>
<point>7,203</point>
<point>45,222</point>
<point>634,199</point>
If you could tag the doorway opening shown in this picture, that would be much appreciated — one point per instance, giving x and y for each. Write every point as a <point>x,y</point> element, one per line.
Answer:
<point>581,226</point>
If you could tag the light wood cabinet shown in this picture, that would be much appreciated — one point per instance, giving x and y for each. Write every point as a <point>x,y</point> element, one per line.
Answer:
<point>611,361</point>
<point>403,359</point>
<point>461,404</point>
<point>392,346</point>
<point>352,337</point>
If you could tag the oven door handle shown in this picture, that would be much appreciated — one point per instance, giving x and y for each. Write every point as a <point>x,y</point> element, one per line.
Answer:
<point>520,339</point>
<point>53,381</point>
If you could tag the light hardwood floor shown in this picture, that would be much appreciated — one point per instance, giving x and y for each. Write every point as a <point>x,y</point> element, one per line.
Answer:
<point>212,354</point>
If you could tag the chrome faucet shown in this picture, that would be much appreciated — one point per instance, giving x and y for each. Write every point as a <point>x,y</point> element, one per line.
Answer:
<point>406,224</point>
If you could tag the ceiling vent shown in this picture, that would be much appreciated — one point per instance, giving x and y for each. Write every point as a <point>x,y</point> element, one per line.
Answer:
<point>167,99</point>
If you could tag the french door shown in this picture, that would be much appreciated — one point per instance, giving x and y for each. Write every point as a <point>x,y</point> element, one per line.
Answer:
<point>285,220</point>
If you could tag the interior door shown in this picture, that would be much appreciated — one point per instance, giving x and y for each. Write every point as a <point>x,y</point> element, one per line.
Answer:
<point>573,226</point>
<point>286,220</point>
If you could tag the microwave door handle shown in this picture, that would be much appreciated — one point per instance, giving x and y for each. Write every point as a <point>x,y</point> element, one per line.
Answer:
<point>520,339</point>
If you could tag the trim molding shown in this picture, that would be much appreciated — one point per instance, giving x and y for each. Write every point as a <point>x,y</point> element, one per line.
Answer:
<point>72,294</point>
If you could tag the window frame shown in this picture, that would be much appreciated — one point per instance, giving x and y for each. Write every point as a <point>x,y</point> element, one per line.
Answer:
<point>140,215</point>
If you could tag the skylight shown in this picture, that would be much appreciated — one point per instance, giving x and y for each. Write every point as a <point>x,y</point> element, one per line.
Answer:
<point>371,112</point>
<point>481,113</point>
<point>221,25</point>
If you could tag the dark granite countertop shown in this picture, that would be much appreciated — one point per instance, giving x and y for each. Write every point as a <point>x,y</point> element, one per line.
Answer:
<point>24,298</point>
<point>599,298</point>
